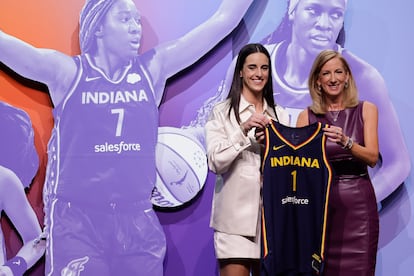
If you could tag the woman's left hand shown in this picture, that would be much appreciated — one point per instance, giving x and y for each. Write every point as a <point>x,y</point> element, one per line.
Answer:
<point>335,134</point>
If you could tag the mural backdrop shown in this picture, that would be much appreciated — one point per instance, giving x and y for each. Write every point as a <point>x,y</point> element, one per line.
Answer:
<point>376,32</point>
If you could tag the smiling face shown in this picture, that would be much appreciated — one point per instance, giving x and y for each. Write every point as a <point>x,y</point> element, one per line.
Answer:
<point>255,73</point>
<point>317,23</point>
<point>332,77</point>
<point>121,29</point>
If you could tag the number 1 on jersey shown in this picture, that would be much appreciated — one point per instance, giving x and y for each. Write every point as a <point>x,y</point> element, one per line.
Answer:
<point>294,173</point>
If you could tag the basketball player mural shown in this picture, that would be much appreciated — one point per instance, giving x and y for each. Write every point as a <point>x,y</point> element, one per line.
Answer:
<point>101,154</point>
<point>307,28</point>
<point>18,165</point>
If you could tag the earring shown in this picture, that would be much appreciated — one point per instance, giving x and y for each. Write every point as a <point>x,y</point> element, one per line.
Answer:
<point>319,87</point>
<point>346,84</point>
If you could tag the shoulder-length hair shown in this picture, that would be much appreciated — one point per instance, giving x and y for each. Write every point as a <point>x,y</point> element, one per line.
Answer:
<point>237,82</point>
<point>319,105</point>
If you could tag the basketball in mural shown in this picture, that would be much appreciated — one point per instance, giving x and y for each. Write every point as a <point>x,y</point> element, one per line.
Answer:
<point>181,168</point>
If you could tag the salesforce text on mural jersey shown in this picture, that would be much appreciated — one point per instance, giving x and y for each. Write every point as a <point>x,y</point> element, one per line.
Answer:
<point>117,147</point>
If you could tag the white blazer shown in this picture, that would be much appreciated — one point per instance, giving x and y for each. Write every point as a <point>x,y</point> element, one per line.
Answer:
<point>236,161</point>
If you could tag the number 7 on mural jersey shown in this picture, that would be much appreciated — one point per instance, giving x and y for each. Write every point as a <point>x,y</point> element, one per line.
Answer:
<point>120,113</point>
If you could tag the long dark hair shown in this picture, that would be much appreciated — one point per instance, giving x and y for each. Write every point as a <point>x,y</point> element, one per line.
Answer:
<point>237,83</point>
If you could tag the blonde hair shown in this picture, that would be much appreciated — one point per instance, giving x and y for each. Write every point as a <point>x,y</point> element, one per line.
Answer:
<point>350,92</point>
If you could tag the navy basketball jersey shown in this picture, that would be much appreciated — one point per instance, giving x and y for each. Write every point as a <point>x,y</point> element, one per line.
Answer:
<point>296,182</point>
<point>104,137</point>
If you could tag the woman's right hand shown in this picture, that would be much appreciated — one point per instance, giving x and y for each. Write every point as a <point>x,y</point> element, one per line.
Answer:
<point>258,121</point>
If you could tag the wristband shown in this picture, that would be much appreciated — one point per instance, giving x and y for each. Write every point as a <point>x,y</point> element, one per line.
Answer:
<point>17,265</point>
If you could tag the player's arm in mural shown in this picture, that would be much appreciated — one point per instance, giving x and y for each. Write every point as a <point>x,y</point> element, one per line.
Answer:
<point>14,203</point>
<point>50,67</point>
<point>171,57</point>
<point>394,163</point>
